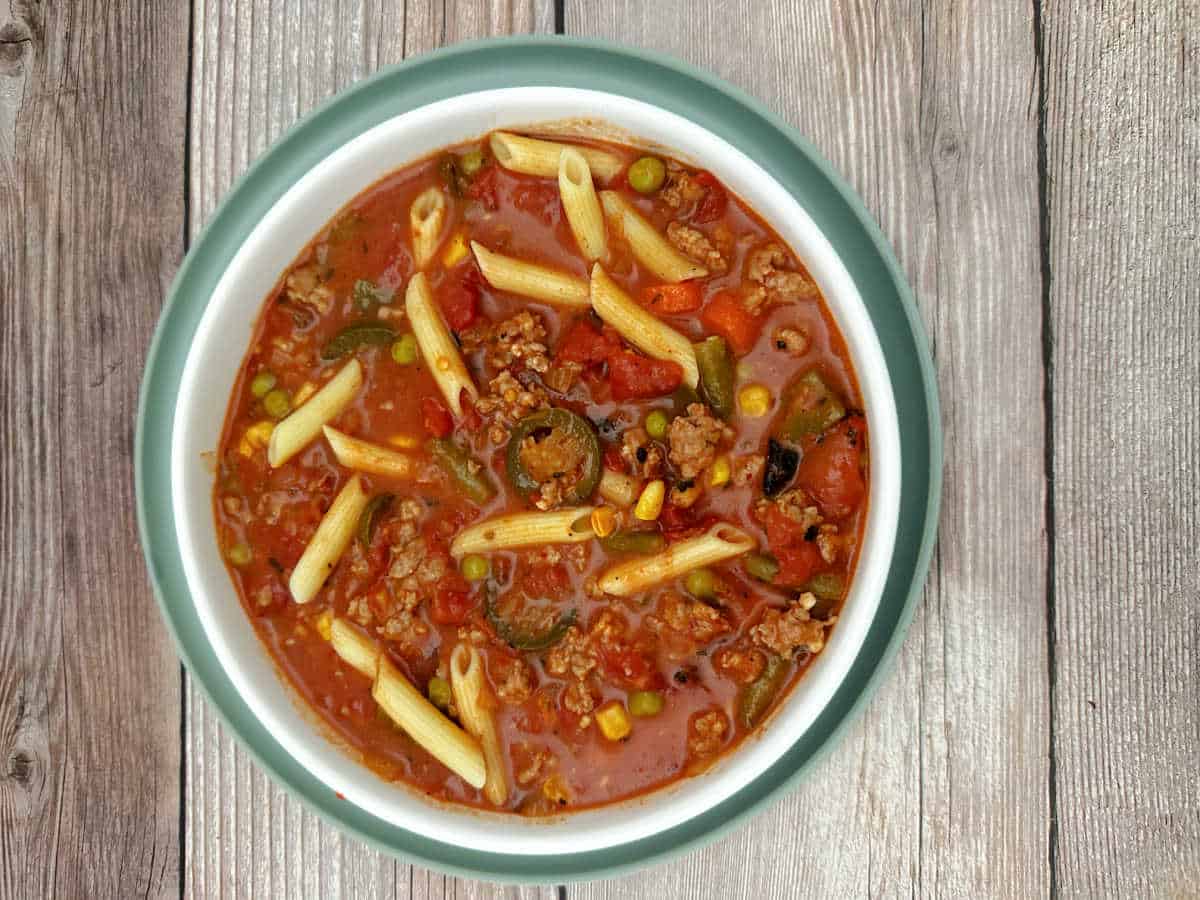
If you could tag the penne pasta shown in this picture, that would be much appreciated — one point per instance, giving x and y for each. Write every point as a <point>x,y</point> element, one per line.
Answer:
<point>722,541</point>
<point>618,489</point>
<point>652,250</point>
<point>641,328</point>
<point>528,529</point>
<point>363,456</point>
<point>437,344</point>
<point>328,542</point>
<point>426,217</point>
<point>444,740</point>
<point>532,156</point>
<point>355,648</point>
<point>476,710</point>
<point>295,432</point>
<point>517,276</point>
<point>581,205</point>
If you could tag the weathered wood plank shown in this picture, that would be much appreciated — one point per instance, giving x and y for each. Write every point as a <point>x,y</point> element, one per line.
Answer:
<point>1123,152</point>
<point>929,110</point>
<point>89,685</point>
<point>257,67</point>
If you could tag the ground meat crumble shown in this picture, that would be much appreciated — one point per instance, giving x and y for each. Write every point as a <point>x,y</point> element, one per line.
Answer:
<point>783,632</point>
<point>506,402</point>
<point>706,733</point>
<point>684,625</point>
<point>693,243</point>
<point>520,339</point>
<point>772,282</point>
<point>694,440</point>
<point>643,455</point>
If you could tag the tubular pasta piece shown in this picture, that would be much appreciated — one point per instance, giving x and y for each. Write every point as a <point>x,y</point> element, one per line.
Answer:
<point>328,542</point>
<point>651,249</point>
<point>722,541</point>
<point>426,217</point>
<point>476,710</point>
<point>527,529</point>
<point>437,345</point>
<point>581,204</point>
<point>355,648</point>
<point>295,432</point>
<point>533,156</point>
<point>363,456</point>
<point>517,276</point>
<point>641,328</point>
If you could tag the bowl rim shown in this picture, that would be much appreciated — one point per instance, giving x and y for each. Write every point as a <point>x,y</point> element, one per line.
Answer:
<point>717,107</point>
<point>209,376</point>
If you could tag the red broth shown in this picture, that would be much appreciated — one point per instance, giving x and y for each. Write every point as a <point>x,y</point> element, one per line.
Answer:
<point>639,691</point>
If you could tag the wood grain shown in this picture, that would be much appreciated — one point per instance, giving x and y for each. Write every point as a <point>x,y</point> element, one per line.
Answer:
<point>930,112</point>
<point>89,685</point>
<point>257,67</point>
<point>1123,150</point>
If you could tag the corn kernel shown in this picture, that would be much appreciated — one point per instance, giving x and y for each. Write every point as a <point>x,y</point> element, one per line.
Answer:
<point>404,441</point>
<point>456,250</point>
<point>720,472</point>
<point>604,521</point>
<point>613,721</point>
<point>754,400</point>
<point>306,390</point>
<point>256,437</point>
<point>324,624</point>
<point>650,504</point>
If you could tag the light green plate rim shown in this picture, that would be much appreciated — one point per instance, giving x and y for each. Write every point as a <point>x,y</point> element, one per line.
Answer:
<point>724,110</point>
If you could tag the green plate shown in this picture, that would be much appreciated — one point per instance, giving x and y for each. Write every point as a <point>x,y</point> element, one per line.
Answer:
<point>707,101</point>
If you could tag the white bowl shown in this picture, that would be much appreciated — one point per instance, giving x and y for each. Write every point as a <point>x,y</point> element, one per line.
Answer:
<point>223,339</point>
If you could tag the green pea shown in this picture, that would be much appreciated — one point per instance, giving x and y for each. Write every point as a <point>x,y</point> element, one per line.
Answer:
<point>240,554</point>
<point>762,566</point>
<point>277,403</point>
<point>471,162</point>
<point>656,424</point>
<point>439,692</point>
<point>647,175</point>
<point>474,568</point>
<point>701,583</point>
<point>404,351</point>
<point>261,384</point>
<point>645,704</point>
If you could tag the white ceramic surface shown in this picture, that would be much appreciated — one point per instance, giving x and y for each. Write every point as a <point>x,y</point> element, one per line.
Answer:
<point>222,340</point>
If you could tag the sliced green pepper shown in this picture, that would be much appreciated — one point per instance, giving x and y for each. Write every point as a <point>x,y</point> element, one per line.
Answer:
<point>578,429</point>
<point>826,586</point>
<point>644,542</point>
<point>463,468</point>
<point>716,374</point>
<point>375,507</point>
<point>762,566</point>
<point>520,639</point>
<point>757,696</point>
<point>811,407</point>
<point>357,335</point>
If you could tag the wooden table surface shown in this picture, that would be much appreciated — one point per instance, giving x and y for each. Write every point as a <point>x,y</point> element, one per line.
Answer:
<point>1036,166</point>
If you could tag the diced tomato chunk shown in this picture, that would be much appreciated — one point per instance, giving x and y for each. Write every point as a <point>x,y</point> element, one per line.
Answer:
<point>712,207</point>
<point>672,299</point>
<point>436,418</point>
<point>538,199</point>
<point>459,299</point>
<point>483,186</point>
<point>452,605</point>
<point>585,344</point>
<point>613,458</point>
<point>831,470</point>
<point>799,558</point>
<point>640,377</point>
<point>627,665</point>
<point>726,315</point>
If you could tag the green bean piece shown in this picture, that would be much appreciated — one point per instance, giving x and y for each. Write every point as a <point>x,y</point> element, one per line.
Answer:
<point>375,508</point>
<point>645,704</point>
<point>642,542</point>
<point>466,470</point>
<point>701,583</point>
<point>474,568</point>
<point>826,586</point>
<point>405,350</point>
<point>359,334</point>
<point>757,696</point>
<point>439,692</point>
<point>656,424</point>
<point>240,554</point>
<point>277,403</point>
<point>811,407</point>
<point>682,399</point>
<point>261,384</point>
<point>647,175</point>
<point>471,162</point>
<point>762,566</point>
<point>716,375</point>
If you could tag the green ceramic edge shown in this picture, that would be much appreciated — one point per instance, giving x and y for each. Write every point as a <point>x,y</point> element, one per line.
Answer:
<point>725,110</point>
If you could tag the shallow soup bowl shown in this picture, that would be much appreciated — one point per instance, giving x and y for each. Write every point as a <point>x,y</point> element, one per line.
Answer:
<point>222,338</point>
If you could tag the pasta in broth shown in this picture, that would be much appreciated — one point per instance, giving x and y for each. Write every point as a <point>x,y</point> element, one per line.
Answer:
<point>544,477</point>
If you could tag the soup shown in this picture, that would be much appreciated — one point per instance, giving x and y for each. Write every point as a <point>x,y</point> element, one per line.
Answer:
<point>545,475</point>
